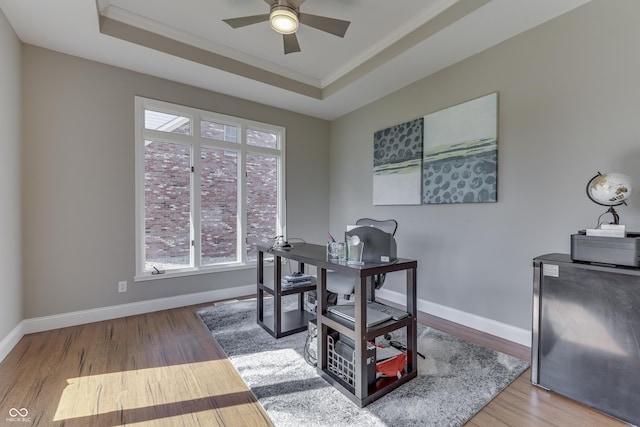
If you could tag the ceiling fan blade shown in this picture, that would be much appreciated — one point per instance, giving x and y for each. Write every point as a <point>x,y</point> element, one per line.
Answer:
<point>246,20</point>
<point>290,43</point>
<point>337,27</point>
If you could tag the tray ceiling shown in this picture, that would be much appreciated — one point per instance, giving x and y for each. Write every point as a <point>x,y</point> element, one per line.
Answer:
<point>387,46</point>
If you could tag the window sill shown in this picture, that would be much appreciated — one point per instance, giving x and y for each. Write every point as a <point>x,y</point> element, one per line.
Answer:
<point>194,272</point>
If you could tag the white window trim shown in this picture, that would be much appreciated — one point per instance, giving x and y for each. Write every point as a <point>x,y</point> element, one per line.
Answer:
<point>196,142</point>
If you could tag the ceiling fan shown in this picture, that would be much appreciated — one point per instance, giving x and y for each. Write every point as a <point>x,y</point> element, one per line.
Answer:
<point>285,17</point>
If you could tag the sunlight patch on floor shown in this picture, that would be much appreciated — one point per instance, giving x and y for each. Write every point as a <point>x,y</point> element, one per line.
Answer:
<point>143,388</point>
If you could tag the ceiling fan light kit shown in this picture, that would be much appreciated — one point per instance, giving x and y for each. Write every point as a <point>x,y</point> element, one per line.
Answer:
<point>283,19</point>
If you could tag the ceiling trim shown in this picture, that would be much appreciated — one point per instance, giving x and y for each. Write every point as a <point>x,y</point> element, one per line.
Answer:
<point>144,32</point>
<point>154,41</point>
<point>433,10</point>
<point>445,18</point>
<point>122,15</point>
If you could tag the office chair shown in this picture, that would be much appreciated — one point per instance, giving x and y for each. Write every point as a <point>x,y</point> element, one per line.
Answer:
<point>343,285</point>
<point>387,225</point>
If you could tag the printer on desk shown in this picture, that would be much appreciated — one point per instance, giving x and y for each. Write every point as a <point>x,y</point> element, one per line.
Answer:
<point>379,246</point>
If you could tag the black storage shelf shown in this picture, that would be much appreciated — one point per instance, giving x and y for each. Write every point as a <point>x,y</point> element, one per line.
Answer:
<point>374,391</point>
<point>281,323</point>
<point>269,288</point>
<point>291,322</point>
<point>347,328</point>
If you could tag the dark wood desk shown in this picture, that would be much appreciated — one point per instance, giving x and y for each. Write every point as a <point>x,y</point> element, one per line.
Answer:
<point>282,324</point>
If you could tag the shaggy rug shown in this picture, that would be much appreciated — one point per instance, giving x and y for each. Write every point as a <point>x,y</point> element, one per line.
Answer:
<point>455,379</point>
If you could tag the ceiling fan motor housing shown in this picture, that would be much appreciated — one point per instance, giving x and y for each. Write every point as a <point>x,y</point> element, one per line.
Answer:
<point>284,18</point>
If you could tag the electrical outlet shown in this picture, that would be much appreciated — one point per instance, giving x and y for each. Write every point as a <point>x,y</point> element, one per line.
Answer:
<point>122,286</point>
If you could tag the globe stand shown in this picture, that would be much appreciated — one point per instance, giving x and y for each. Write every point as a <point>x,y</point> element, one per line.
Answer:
<point>616,218</point>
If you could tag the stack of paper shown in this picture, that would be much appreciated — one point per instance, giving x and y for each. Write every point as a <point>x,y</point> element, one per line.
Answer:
<point>608,230</point>
<point>290,281</point>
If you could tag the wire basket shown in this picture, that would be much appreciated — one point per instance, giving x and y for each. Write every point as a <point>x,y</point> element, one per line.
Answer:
<point>338,361</point>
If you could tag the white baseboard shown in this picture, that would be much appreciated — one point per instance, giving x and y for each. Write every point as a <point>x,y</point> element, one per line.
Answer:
<point>10,341</point>
<point>489,326</point>
<point>46,323</point>
<point>64,320</point>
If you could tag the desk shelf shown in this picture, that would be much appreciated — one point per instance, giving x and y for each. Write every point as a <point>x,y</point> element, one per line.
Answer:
<point>379,387</point>
<point>291,322</point>
<point>281,323</point>
<point>368,392</point>
<point>375,391</point>
<point>347,328</point>
<point>269,288</point>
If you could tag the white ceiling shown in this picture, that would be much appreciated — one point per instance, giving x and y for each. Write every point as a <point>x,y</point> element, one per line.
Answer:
<point>388,45</point>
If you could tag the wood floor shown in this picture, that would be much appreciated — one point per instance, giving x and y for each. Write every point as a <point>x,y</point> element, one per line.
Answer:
<point>165,369</point>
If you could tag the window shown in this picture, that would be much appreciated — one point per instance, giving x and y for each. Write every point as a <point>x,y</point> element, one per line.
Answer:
<point>209,189</point>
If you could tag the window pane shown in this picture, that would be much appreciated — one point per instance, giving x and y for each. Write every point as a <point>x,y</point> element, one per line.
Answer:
<point>219,201</point>
<point>165,122</point>
<point>262,201</point>
<point>167,175</point>
<point>262,139</point>
<point>219,131</point>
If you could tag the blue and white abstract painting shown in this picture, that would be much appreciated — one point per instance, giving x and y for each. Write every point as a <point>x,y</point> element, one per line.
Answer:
<point>460,153</point>
<point>397,164</point>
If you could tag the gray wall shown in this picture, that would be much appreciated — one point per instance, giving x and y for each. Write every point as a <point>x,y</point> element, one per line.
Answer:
<point>569,105</point>
<point>568,96</point>
<point>78,181</point>
<point>10,248</point>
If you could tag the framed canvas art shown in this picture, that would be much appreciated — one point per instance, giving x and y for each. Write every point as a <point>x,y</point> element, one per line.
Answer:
<point>397,160</point>
<point>460,153</point>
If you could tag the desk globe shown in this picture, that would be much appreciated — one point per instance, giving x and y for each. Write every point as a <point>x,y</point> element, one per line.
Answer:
<point>610,189</point>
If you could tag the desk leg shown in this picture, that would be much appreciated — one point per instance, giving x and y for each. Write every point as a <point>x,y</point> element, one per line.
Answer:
<point>301,294</point>
<point>277,297</point>
<point>361,379</point>
<point>260,281</point>
<point>321,291</point>
<point>412,330</point>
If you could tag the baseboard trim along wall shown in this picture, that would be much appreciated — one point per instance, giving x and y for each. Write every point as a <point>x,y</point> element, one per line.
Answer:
<point>40,324</point>
<point>46,323</point>
<point>10,341</point>
<point>489,326</point>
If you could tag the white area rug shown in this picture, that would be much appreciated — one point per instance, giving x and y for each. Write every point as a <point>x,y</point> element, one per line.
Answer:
<point>455,380</point>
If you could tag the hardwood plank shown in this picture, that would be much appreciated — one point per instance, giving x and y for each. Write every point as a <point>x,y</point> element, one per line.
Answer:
<point>540,407</point>
<point>165,369</point>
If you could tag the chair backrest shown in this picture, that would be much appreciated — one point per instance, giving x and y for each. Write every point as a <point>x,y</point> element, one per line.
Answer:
<point>387,225</point>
